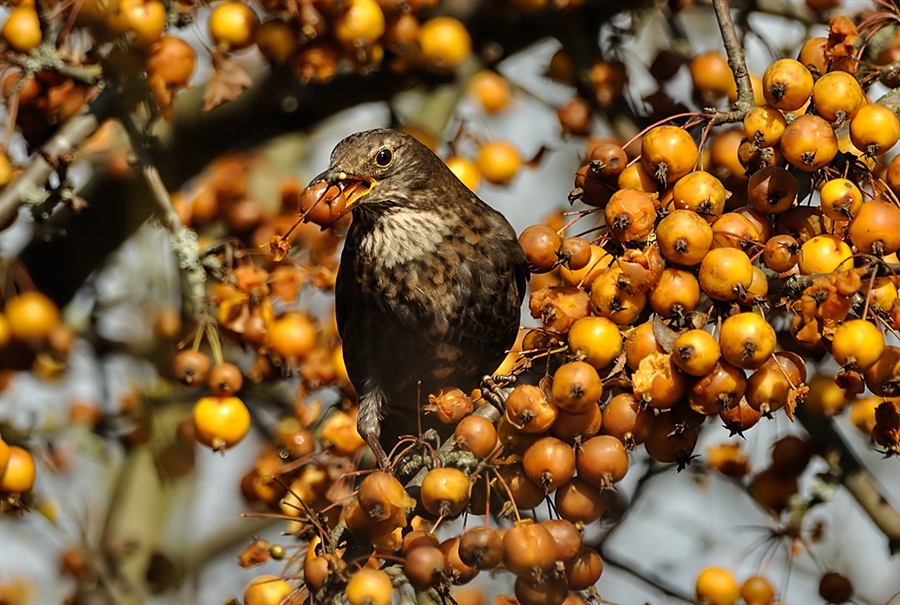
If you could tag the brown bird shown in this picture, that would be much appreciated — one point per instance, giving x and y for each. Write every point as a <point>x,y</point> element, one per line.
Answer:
<point>430,284</point>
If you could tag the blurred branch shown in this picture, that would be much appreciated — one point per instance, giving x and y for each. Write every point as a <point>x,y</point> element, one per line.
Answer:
<point>651,579</point>
<point>64,143</point>
<point>132,529</point>
<point>738,64</point>
<point>183,240</point>
<point>855,477</point>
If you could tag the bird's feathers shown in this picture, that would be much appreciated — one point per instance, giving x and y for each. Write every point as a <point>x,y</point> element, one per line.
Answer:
<point>430,284</point>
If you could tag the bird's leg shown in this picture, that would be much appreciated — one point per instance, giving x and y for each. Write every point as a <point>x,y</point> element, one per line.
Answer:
<point>368,424</point>
<point>375,443</point>
<point>495,384</point>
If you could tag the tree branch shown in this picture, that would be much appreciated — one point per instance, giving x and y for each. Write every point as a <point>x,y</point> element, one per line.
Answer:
<point>855,477</point>
<point>647,577</point>
<point>69,137</point>
<point>738,64</point>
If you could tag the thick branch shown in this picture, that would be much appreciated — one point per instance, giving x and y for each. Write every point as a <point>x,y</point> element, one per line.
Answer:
<point>738,64</point>
<point>855,477</point>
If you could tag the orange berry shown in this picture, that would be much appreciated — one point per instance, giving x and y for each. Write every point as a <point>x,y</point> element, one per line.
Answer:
<point>723,154</point>
<point>549,462</point>
<point>631,215</point>
<point>874,228</point>
<point>18,478</point>
<point>22,30</point>
<point>232,25</point>
<point>838,96</point>
<point>220,422</point>
<point>191,366</point>
<point>146,19</point>
<point>31,315</point>
<point>360,25</point>
<point>677,293</point>
<point>602,461</point>
<point>636,176</point>
<point>597,340</point>
<point>340,433</point>
<point>276,40</point>
<point>608,299</point>
<point>4,456</point>
<point>862,413</point>
<point>668,153</point>
<point>266,590</point>
<point>701,192</point>
<point>476,434</point>
<point>857,343</point>
<point>576,387</point>
<point>696,352</point>
<point>764,125</point>
<point>491,89</point>
<point>825,397</point>
<point>772,190</point>
<point>292,336</point>
<point>812,54</point>
<point>659,382</point>
<point>369,587</point>
<point>725,273</point>
<point>757,590</point>
<point>445,42</point>
<point>540,244</point>
<point>746,340</point>
<point>787,84</point>
<point>875,129</point>
<point>465,170</point>
<point>6,170</point>
<point>717,586</point>
<point>710,73</point>
<point>824,254</point>
<point>598,264</point>
<point>528,410</point>
<point>684,237</point>
<point>841,199</point>
<point>445,491</point>
<point>498,162</point>
<point>528,548</point>
<point>809,143</point>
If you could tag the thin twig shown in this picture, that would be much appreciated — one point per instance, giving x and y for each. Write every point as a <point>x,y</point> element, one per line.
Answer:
<point>738,64</point>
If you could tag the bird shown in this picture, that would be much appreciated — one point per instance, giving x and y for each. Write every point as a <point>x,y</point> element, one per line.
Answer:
<point>430,284</point>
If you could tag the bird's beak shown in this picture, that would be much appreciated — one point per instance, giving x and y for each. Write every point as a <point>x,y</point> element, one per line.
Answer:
<point>353,187</point>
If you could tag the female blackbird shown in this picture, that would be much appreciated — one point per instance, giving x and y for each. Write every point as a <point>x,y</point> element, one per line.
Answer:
<point>430,284</point>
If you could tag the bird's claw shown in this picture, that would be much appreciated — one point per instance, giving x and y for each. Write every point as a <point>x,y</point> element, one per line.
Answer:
<point>496,393</point>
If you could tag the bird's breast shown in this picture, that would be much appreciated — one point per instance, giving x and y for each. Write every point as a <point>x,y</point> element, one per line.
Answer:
<point>400,236</point>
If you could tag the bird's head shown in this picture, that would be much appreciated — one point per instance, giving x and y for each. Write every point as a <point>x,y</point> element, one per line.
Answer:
<point>383,166</point>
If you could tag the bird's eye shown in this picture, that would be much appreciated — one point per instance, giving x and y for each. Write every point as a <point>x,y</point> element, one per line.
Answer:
<point>384,158</point>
